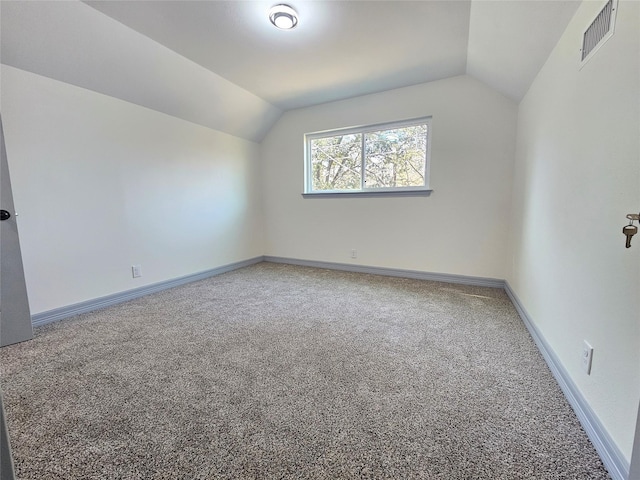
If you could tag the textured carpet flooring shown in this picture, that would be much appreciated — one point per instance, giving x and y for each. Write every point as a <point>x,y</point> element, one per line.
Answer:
<point>276,371</point>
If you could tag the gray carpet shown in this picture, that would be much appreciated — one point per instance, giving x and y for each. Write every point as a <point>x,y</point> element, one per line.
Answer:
<point>276,371</point>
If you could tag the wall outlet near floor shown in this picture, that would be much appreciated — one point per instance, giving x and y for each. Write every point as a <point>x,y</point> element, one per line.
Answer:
<point>354,253</point>
<point>136,271</point>
<point>587,357</point>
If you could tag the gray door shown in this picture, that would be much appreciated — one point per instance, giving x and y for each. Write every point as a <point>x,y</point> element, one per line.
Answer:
<point>15,317</point>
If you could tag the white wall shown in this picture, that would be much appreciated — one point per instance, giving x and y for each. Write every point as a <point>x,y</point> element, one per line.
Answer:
<point>101,184</point>
<point>577,175</point>
<point>460,229</point>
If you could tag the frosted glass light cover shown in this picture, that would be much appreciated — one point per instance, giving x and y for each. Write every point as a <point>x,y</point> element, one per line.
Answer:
<point>283,17</point>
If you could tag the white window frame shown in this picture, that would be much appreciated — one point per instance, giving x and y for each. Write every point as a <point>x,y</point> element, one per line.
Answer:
<point>364,191</point>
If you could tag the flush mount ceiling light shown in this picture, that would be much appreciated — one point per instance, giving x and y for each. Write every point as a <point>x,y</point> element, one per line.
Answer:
<point>283,17</point>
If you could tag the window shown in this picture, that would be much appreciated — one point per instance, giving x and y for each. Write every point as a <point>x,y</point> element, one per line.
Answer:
<point>391,158</point>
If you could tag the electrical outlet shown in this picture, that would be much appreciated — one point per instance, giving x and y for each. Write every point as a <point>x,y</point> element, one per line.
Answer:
<point>136,270</point>
<point>354,253</point>
<point>587,357</point>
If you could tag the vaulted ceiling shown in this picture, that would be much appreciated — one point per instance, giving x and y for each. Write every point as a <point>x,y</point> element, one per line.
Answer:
<point>223,65</point>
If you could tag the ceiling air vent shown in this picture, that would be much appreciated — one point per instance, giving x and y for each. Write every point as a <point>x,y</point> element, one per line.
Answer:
<point>600,30</point>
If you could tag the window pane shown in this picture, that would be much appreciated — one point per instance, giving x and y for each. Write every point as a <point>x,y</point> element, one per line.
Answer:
<point>336,162</point>
<point>396,158</point>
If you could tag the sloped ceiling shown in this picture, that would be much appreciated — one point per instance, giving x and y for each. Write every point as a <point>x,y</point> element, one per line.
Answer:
<point>339,49</point>
<point>509,41</point>
<point>223,65</point>
<point>73,43</point>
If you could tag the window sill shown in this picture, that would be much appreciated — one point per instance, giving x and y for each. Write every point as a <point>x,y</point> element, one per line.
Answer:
<point>387,193</point>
